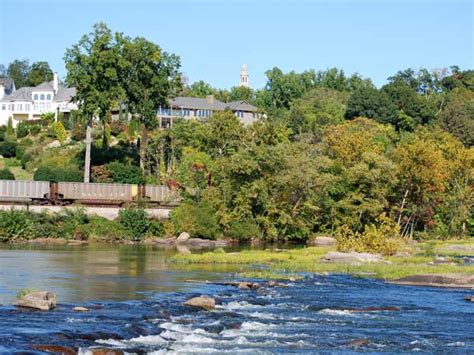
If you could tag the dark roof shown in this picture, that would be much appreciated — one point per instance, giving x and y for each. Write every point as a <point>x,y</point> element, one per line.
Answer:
<point>64,94</point>
<point>241,106</point>
<point>197,103</point>
<point>8,84</point>
<point>22,94</point>
<point>25,93</point>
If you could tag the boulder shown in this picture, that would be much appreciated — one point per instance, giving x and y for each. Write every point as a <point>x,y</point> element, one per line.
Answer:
<point>438,280</point>
<point>322,241</point>
<point>200,243</point>
<point>54,144</point>
<point>56,349</point>
<point>203,302</point>
<point>469,298</point>
<point>374,309</point>
<point>183,237</point>
<point>105,351</point>
<point>441,261</point>
<point>164,241</point>
<point>80,309</point>
<point>276,284</point>
<point>352,258</point>
<point>221,243</point>
<point>245,286</point>
<point>358,342</point>
<point>42,300</point>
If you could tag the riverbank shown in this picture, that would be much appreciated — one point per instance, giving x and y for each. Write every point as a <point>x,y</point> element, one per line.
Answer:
<point>448,257</point>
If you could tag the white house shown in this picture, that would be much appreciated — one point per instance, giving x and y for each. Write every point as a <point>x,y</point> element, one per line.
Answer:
<point>29,103</point>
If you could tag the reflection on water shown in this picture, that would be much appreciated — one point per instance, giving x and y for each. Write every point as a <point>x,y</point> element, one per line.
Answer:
<point>91,272</point>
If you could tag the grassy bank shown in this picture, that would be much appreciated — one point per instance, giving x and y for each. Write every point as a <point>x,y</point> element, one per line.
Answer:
<point>288,262</point>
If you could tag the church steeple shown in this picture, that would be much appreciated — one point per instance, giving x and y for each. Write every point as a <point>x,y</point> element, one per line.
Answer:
<point>244,76</point>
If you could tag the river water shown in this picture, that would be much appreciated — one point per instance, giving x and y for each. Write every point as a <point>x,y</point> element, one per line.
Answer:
<point>135,301</point>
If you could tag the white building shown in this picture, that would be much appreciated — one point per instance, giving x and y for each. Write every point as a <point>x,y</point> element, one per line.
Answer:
<point>244,76</point>
<point>29,103</point>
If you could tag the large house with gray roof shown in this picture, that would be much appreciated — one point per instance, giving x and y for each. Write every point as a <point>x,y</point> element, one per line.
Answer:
<point>29,103</point>
<point>200,108</point>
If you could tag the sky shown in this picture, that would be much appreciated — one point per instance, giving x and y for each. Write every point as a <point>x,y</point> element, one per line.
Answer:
<point>374,38</point>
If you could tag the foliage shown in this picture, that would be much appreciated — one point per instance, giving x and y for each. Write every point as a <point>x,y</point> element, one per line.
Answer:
<point>8,149</point>
<point>10,131</point>
<point>125,174</point>
<point>39,72</point>
<point>15,224</point>
<point>22,129</point>
<point>383,238</point>
<point>136,223</point>
<point>199,220</point>
<point>6,174</point>
<point>59,131</point>
<point>55,174</point>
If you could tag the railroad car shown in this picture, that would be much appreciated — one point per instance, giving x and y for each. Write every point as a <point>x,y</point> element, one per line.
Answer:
<point>65,193</point>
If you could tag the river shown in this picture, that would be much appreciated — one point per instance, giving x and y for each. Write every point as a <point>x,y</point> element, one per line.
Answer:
<point>135,304</point>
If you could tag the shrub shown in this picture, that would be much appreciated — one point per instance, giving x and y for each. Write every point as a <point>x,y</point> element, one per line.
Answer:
<point>8,149</point>
<point>102,228</point>
<point>383,238</point>
<point>199,220</point>
<point>22,130</point>
<point>59,131</point>
<point>6,174</point>
<point>70,224</point>
<point>135,222</point>
<point>71,174</point>
<point>15,224</point>
<point>243,230</point>
<point>10,131</point>
<point>125,174</point>
<point>35,129</point>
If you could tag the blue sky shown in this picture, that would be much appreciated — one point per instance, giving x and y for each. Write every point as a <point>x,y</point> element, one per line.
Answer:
<point>214,38</point>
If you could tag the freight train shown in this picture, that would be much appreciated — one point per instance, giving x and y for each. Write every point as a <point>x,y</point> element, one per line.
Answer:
<point>67,193</point>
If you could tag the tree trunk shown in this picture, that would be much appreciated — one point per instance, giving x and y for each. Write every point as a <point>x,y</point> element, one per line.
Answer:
<point>143,143</point>
<point>87,159</point>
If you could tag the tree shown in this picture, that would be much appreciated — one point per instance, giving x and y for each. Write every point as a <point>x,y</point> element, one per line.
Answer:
<point>38,73</point>
<point>201,89</point>
<point>18,71</point>
<point>93,66</point>
<point>149,77</point>
<point>458,115</point>
<point>372,103</point>
<point>240,93</point>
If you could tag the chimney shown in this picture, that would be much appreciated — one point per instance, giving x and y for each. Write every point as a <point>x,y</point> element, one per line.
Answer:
<point>55,83</point>
<point>210,99</point>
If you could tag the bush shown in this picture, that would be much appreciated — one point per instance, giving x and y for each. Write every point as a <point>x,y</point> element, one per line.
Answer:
<point>59,131</point>
<point>35,129</point>
<point>125,174</point>
<point>70,224</point>
<point>15,224</point>
<point>22,130</point>
<point>243,230</point>
<point>8,149</point>
<point>135,222</point>
<point>199,220</point>
<point>102,228</point>
<point>6,174</point>
<point>384,238</point>
<point>71,174</point>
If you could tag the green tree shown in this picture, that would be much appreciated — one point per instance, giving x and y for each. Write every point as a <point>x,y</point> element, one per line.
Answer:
<point>240,93</point>
<point>93,66</point>
<point>18,71</point>
<point>372,103</point>
<point>200,89</point>
<point>38,73</point>
<point>149,77</point>
<point>458,115</point>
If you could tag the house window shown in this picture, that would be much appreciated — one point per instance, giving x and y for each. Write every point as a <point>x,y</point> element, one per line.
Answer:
<point>27,107</point>
<point>165,122</point>
<point>48,97</point>
<point>35,97</point>
<point>42,97</point>
<point>20,107</point>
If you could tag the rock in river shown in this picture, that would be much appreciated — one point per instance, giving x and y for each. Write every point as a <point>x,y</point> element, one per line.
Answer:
<point>80,309</point>
<point>203,302</point>
<point>183,237</point>
<point>322,241</point>
<point>56,349</point>
<point>351,258</point>
<point>469,298</point>
<point>438,280</point>
<point>42,300</point>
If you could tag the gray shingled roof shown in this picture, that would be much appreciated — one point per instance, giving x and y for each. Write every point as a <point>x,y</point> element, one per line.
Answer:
<point>241,106</point>
<point>64,94</point>
<point>22,94</point>
<point>197,103</point>
<point>46,86</point>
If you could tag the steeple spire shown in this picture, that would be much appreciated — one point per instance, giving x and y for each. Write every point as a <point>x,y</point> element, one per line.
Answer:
<point>244,76</point>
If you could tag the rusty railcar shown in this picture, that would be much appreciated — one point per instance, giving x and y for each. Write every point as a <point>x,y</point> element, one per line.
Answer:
<point>94,193</point>
<point>160,194</point>
<point>24,191</point>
